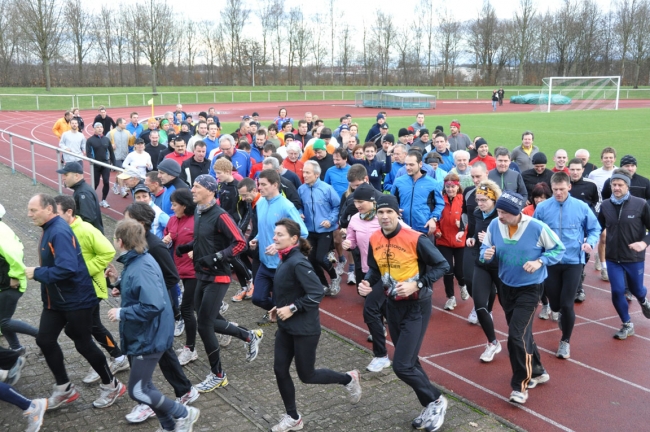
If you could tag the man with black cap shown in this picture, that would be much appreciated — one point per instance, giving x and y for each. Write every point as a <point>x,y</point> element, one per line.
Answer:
<point>538,174</point>
<point>403,138</point>
<point>169,172</point>
<point>374,130</point>
<point>626,220</point>
<point>383,135</point>
<point>482,152</point>
<point>423,142</point>
<point>407,264</point>
<point>524,247</point>
<point>85,197</point>
<point>99,148</point>
<point>639,185</point>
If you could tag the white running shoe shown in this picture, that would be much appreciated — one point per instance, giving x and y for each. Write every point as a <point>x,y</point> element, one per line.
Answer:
<point>340,266</point>
<point>186,423</point>
<point>435,415</point>
<point>212,382</point>
<point>179,327</point>
<point>451,303</point>
<point>464,294</point>
<point>519,397</point>
<point>108,394</point>
<point>187,355</point>
<point>472,318</point>
<point>335,285</point>
<point>352,279</point>
<point>92,377</point>
<point>140,413</point>
<point>597,264</point>
<point>116,189</point>
<point>555,316</point>
<point>189,397</point>
<point>354,387</point>
<point>35,414</point>
<point>224,340</point>
<point>119,366</point>
<point>61,396</point>
<point>104,204</point>
<point>490,350</point>
<point>224,307</point>
<point>378,364</point>
<point>287,423</point>
<point>545,312</point>
<point>253,346</point>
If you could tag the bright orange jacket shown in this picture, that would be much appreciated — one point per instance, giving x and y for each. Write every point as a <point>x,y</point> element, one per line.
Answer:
<point>61,125</point>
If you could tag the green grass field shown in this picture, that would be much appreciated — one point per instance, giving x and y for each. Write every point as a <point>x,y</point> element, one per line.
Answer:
<point>24,98</point>
<point>628,131</point>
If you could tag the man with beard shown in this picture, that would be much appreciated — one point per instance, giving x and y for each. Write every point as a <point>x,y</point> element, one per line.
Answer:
<point>538,174</point>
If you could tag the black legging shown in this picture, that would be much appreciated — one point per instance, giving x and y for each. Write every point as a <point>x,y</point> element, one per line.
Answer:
<point>103,336</point>
<point>454,257</point>
<point>78,327</point>
<point>469,260</point>
<point>244,275</point>
<point>374,312</point>
<point>187,312</point>
<point>561,287</point>
<point>105,174</point>
<point>484,293</point>
<point>303,349</point>
<point>321,244</point>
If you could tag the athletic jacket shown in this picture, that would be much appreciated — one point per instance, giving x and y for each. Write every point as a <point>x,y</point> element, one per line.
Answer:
<point>215,231</point>
<point>64,278</point>
<point>586,191</point>
<point>338,179</point>
<point>269,211</point>
<point>626,223</point>
<point>533,240</point>
<point>572,221</point>
<point>240,160</point>
<point>522,159</point>
<point>228,196</point>
<point>100,149</point>
<point>447,227</point>
<point>87,204</point>
<point>159,251</point>
<point>182,232</point>
<point>61,126</point>
<point>326,163</point>
<point>11,259</point>
<point>320,203</point>
<point>481,223</point>
<point>294,167</point>
<point>421,200</point>
<point>107,122</point>
<point>509,181</point>
<point>392,175</point>
<point>170,187</point>
<point>488,160</point>
<point>146,317</point>
<point>376,169</point>
<point>404,255</point>
<point>372,133</point>
<point>459,142</point>
<point>639,187</point>
<point>531,178</point>
<point>97,252</point>
<point>191,169</point>
<point>447,160</point>
<point>295,282</point>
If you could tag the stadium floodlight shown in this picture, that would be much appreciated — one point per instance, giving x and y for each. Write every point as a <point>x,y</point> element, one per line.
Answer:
<point>597,92</point>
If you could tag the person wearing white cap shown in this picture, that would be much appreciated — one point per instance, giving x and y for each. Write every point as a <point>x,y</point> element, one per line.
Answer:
<point>138,160</point>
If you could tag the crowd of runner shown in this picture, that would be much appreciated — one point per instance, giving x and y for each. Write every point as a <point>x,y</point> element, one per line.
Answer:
<point>296,209</point>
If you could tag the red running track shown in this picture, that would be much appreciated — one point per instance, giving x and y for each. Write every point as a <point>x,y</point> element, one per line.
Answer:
<point>604,386</point>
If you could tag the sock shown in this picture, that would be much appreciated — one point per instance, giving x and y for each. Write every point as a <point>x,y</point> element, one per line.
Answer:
<point>120,358</point>
<point>494,342</point>
<point>351,268</point>
<point>341,259</point>
<point>64,387</point>
<point>190,347</point>
<point>294,414</point>
<point>349,379</point>
<point>603,264</point>
<point>220,374</point>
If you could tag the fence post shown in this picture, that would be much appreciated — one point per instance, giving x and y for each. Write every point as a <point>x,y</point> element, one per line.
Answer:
<point>11,152</point>
<point>92,172</point>
<point>323,94</point>
<point>127,99</point>
<point>214,97</point>
<point>268,95</point>
<point>161,101</point>
<point>31,144</point>
<point>142,99</point>
<point>232,96</point>
<point>72,102</point>
<point>92,101</point>
<point>37,107</point>
<point>109,101</point>
<point>250,96</point>
<point>179,98</point>
<point>197,100</point>
<point>58,167</point>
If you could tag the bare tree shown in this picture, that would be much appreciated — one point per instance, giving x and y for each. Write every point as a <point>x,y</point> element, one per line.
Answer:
<point>9,39</point>
<point>155,37</point>
<point>301,42</point>
<point>265,13</point>
<point>588,41</point>
<point>317,47</point>
<point>346,51</point>
<point>279,39</point>
<point>564,37</point>
<point>41,23</point>
<point>191,48</point>
<point>234,18</point>
<point>523,30</point>
<point>383,31</point>
<point>402,40</point>
<point>78,21</point>
<point>640,40</point>
<point>331,4</point>
<point>484,42</point>
<point>212,40</point>
<point>103,29</point>
<point>448,37</point>
<point>425,11</point>
<point>625,11</point>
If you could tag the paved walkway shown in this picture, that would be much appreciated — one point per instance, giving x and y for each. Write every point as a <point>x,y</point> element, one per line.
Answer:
<point>250,402</point>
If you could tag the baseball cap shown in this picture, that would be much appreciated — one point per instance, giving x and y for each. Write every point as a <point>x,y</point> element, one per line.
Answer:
<point>128,174</point>
<point>71,167</point>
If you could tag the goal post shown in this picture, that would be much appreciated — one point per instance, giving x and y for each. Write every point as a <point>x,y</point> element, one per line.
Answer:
<point>581,93</point>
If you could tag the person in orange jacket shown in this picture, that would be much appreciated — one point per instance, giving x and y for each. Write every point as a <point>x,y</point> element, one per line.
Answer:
<point>451,246</point>
<point>62,124</point>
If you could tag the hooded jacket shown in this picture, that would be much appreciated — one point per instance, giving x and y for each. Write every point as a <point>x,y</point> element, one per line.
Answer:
<point>65,282</point>
<point>146,317</point>
<point>447,227</point>
<point>11,258</point>
<point>421,200</point>
<point>182,232</point>
<point>87,204</point>
<point>572,221</point>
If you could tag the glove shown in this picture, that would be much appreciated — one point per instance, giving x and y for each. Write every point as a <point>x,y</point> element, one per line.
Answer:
<point>183,249</point>
<point>210,261</point>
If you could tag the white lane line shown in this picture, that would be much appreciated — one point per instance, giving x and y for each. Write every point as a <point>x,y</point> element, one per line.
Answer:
<point>462,378</point>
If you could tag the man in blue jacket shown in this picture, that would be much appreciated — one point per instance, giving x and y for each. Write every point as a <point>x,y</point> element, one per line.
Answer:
<point>320,212</point>
<point>419,196</point>
<point>442,148</point>
<point>270,208</point>
<point>69,299</point>
<point>577,227</point>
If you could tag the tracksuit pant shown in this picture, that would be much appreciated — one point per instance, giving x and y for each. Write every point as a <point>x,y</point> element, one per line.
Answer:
<point>407,324</point>
<point>519,304</point>
<point>104,337</point>
<point>8,300</point>
<point>454,257</point>
<point>618,274</point>
<point>321,244</point>
<point>263,287</point>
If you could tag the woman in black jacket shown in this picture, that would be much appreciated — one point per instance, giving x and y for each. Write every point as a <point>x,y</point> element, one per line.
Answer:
<point>486,275</point>
<point>297,293</point>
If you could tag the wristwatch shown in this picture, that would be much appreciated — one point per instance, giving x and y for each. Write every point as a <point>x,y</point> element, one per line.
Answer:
<point>420,285</point>
<point>539,260</point>
<point>293,308</point>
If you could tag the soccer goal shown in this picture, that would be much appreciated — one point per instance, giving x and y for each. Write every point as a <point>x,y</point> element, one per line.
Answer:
<point>580,93</point>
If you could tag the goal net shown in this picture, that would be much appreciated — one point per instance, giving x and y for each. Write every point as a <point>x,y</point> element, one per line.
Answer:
<point>579,93</point>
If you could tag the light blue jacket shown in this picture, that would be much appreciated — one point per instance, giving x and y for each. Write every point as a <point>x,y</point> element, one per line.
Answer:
<point>572,221</point>
<point>268,213</point>
<point>320,203</point>
<point>420,200</point>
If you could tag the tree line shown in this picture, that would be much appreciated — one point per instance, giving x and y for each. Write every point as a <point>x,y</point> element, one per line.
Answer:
<point>62,43</point>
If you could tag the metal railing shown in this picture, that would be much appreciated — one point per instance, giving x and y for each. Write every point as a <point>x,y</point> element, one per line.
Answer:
<point>58,151</point>
<point>38,102</point>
